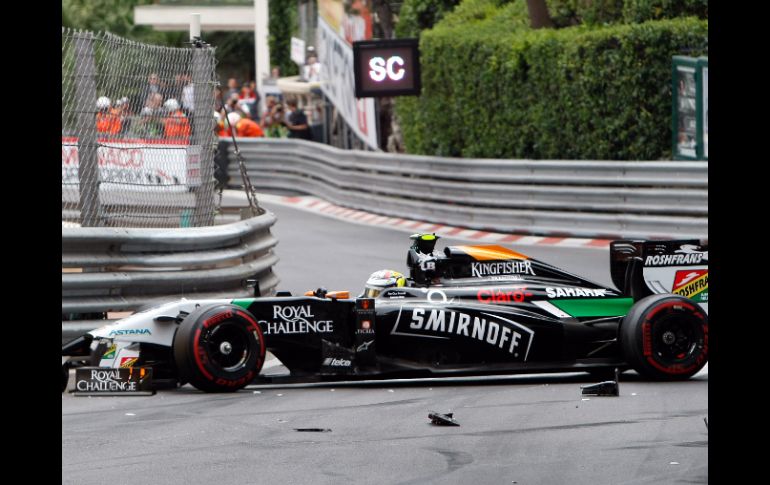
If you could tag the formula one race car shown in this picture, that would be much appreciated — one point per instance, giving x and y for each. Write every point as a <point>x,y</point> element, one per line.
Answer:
<point>467,310</point>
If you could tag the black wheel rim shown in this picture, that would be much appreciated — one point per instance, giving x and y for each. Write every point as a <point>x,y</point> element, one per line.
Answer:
<point>677,339</point>
<point>228,346</point>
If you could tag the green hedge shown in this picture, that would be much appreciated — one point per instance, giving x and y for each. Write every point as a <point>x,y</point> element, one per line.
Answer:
<point>492,89</point>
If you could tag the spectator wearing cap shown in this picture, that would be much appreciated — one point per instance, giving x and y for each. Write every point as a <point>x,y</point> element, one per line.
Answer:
<point>175,125</point>
<point>122,111</point>
<point>219,129</point>
<point>106,120</point>
<point>244,127</point>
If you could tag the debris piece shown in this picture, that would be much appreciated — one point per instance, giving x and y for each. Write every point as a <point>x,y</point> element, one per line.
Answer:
<point>674,463</point>
<point>442,419</point>
<point>257,392</point>
<point>130,414</point>
<point>606,388</point>
<point>706,420</point>
<point>313,430</point>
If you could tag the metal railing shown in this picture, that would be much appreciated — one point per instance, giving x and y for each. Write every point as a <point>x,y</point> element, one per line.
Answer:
<point>655,199</point>
<point>123,269</point>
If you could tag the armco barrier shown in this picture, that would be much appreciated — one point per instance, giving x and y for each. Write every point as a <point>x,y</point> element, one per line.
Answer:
<point>655,199</point>
<point>122,269</point>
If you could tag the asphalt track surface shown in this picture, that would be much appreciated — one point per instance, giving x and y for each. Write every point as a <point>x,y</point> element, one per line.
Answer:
<point>522,429</point>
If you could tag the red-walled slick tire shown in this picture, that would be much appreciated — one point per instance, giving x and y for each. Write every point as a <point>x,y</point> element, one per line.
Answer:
<point>219,348</point>
<point>665,337</point>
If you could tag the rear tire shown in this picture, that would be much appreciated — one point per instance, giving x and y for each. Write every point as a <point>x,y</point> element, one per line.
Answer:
<point>665,337</point>
<point>219,348</point>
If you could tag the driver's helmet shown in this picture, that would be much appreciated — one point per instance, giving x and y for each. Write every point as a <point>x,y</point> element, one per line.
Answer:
<point>380,280</point>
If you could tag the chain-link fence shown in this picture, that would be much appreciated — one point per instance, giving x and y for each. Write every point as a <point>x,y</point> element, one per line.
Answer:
<point>137,133</point>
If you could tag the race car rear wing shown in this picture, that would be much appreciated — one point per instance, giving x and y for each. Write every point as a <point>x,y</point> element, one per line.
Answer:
<point>640,268</point>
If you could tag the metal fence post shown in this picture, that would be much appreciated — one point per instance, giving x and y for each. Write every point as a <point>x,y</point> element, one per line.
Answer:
<point>85,95</point>
<point>203,126</point>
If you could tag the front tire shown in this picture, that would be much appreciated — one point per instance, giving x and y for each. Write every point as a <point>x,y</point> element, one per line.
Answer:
<point>665,337</point>
<point>219,348</point>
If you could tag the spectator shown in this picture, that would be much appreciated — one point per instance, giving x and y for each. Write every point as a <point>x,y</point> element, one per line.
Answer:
<point>155,103</point>
<point>273,120</point>
<point>153,84</point>
<point>232,103</point>
<point>275,73</point>
<point>311,71</point>
<point>175,124</point>
<point>267,118</point>
<point>297,122</point>
<point>156,87</point>
<point>232,87</point>
<point>219,102</point>
<point>123,113</point>
<point>147,126</point>
<point>248,101</point>
<point>188,95</point>
<point>244,127</point>
<point>106,119</point>
<point>219,129</point>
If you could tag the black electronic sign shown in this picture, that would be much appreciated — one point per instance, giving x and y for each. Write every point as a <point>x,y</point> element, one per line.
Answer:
<point>386,68</point>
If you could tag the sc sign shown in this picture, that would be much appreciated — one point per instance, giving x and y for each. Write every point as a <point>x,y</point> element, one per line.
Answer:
<point>386,68</point>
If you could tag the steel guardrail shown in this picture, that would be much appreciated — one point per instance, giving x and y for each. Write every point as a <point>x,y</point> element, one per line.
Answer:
<point>609,199</point>
<point>108,269</point>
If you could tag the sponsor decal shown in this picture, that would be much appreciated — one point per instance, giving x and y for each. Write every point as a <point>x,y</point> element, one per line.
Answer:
<point>687,254</point>
<point>110,353</point>
<point>218,318</point>
<point>366,328</point>
<point>128,380</point>
<point>494,330</point>
<point>428,265</point>
<point>152,167</point>
<point>517,267</point>
<point>364,346</point>
<point>693,284</point>
<point>395,294</point>
<point>516,277</point>
<point>130,331</point>
<point>296,319</point>
<point>575,292</point>
<point>126,362</point>
<point>518,295</point>
<point>334,362</point>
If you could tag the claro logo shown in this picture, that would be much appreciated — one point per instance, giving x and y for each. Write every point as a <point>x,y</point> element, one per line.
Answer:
<point>518,295</point>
